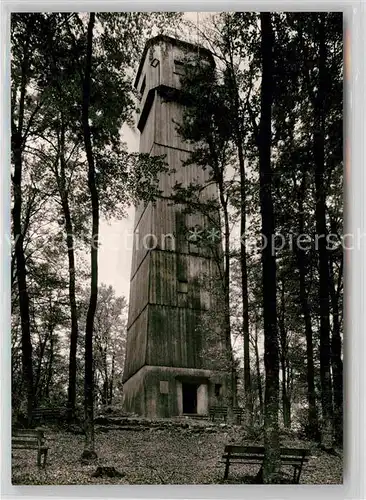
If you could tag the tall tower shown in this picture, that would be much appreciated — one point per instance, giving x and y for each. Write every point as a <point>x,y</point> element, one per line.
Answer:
<point>167,370</point>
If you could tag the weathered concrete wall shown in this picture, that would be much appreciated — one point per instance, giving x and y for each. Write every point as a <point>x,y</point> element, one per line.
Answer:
<point>156,391</point>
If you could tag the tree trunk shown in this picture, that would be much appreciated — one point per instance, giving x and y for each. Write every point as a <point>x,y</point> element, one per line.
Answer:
<point>73,310</point>
<point>17,151</point>
<point>313,423</point>
<point>321,230</point>
<point>337,363</point>
<point>248,396</point>
<point>72,279</point>
<point>258,370</point>
<point>37,385</point>
<point>313,427</point>
<point>286,403</point>
<point>290,388</point>
<point>230,354</point>
<point>106,378</point>
<point>104,392</point>
<point>111,385</point>
<point>89,450</point>
<point>50,368</point>
<point>271,463</point>
<point>226,288</point>
<point>244,287</point>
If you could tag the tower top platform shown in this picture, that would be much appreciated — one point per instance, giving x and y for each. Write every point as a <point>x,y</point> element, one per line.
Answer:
<point>160,70</point>
<point>168,40</point>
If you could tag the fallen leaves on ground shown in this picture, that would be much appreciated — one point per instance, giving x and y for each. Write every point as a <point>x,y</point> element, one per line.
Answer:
<point>156,456</point>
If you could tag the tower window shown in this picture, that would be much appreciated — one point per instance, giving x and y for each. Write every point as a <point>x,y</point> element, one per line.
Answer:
<point>182,287</point>
<point>164,387</point>
<point>218,390</point>
<point>178,67</point>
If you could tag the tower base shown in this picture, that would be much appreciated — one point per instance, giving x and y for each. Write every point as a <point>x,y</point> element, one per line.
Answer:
<point>159,391</point>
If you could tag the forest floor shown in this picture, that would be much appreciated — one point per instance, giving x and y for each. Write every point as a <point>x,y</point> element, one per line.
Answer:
<point>187,453</point>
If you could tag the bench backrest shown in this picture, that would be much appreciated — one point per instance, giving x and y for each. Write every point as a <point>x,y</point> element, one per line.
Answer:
<point>36,433</point>
<point>27,437</point>
<point>224,409</point>
<point>49,411</point>
<point>259,450</point>
<point>294,452</point>
<point>239,450</point>
<point>218,409</point>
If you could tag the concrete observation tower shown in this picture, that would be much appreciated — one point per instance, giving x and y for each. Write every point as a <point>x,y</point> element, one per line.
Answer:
<point>166,371</point>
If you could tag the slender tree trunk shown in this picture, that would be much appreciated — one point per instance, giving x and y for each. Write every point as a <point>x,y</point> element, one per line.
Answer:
<point>248,396</point>
<point>259,378</point>
<point>17,152</point>
<point>337,363</point>
<point>313,424</point>
<point>244,287</point>
<point>219,179</point>
<point>271,463</point>
<point>106,378</point>
<point>73,309</point>
<point>89,450</point>
<point>22,288</point>
<point>321,230</point>
<point>111,385</point>
<point>103,393</point>
<point>64,195</point>
<point>50,367</point>
<point>313,430</point>
<point>290,387</point>
<point>286,404</point>
<point>37,388</point>
<point>226,290</point>
<point>229,349</point>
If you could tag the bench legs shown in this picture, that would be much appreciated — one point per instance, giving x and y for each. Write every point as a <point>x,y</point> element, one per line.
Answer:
<point>259,476</point>
<point>39,457</point>
<point>297,473</point>
<point>227,465</point>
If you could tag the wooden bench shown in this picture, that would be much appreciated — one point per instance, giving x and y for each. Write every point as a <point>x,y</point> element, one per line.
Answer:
<point>255,455</point>
<point>219,411</point>
<point>238,413</point>
<point>29,439</point>
<point>41,415</point>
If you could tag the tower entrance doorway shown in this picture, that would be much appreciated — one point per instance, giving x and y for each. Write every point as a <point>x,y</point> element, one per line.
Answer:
<point>189,393</point>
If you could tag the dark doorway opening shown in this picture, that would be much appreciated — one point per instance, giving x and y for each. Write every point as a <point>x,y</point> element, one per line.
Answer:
<point>189,398</point>
<point>218,390</point>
